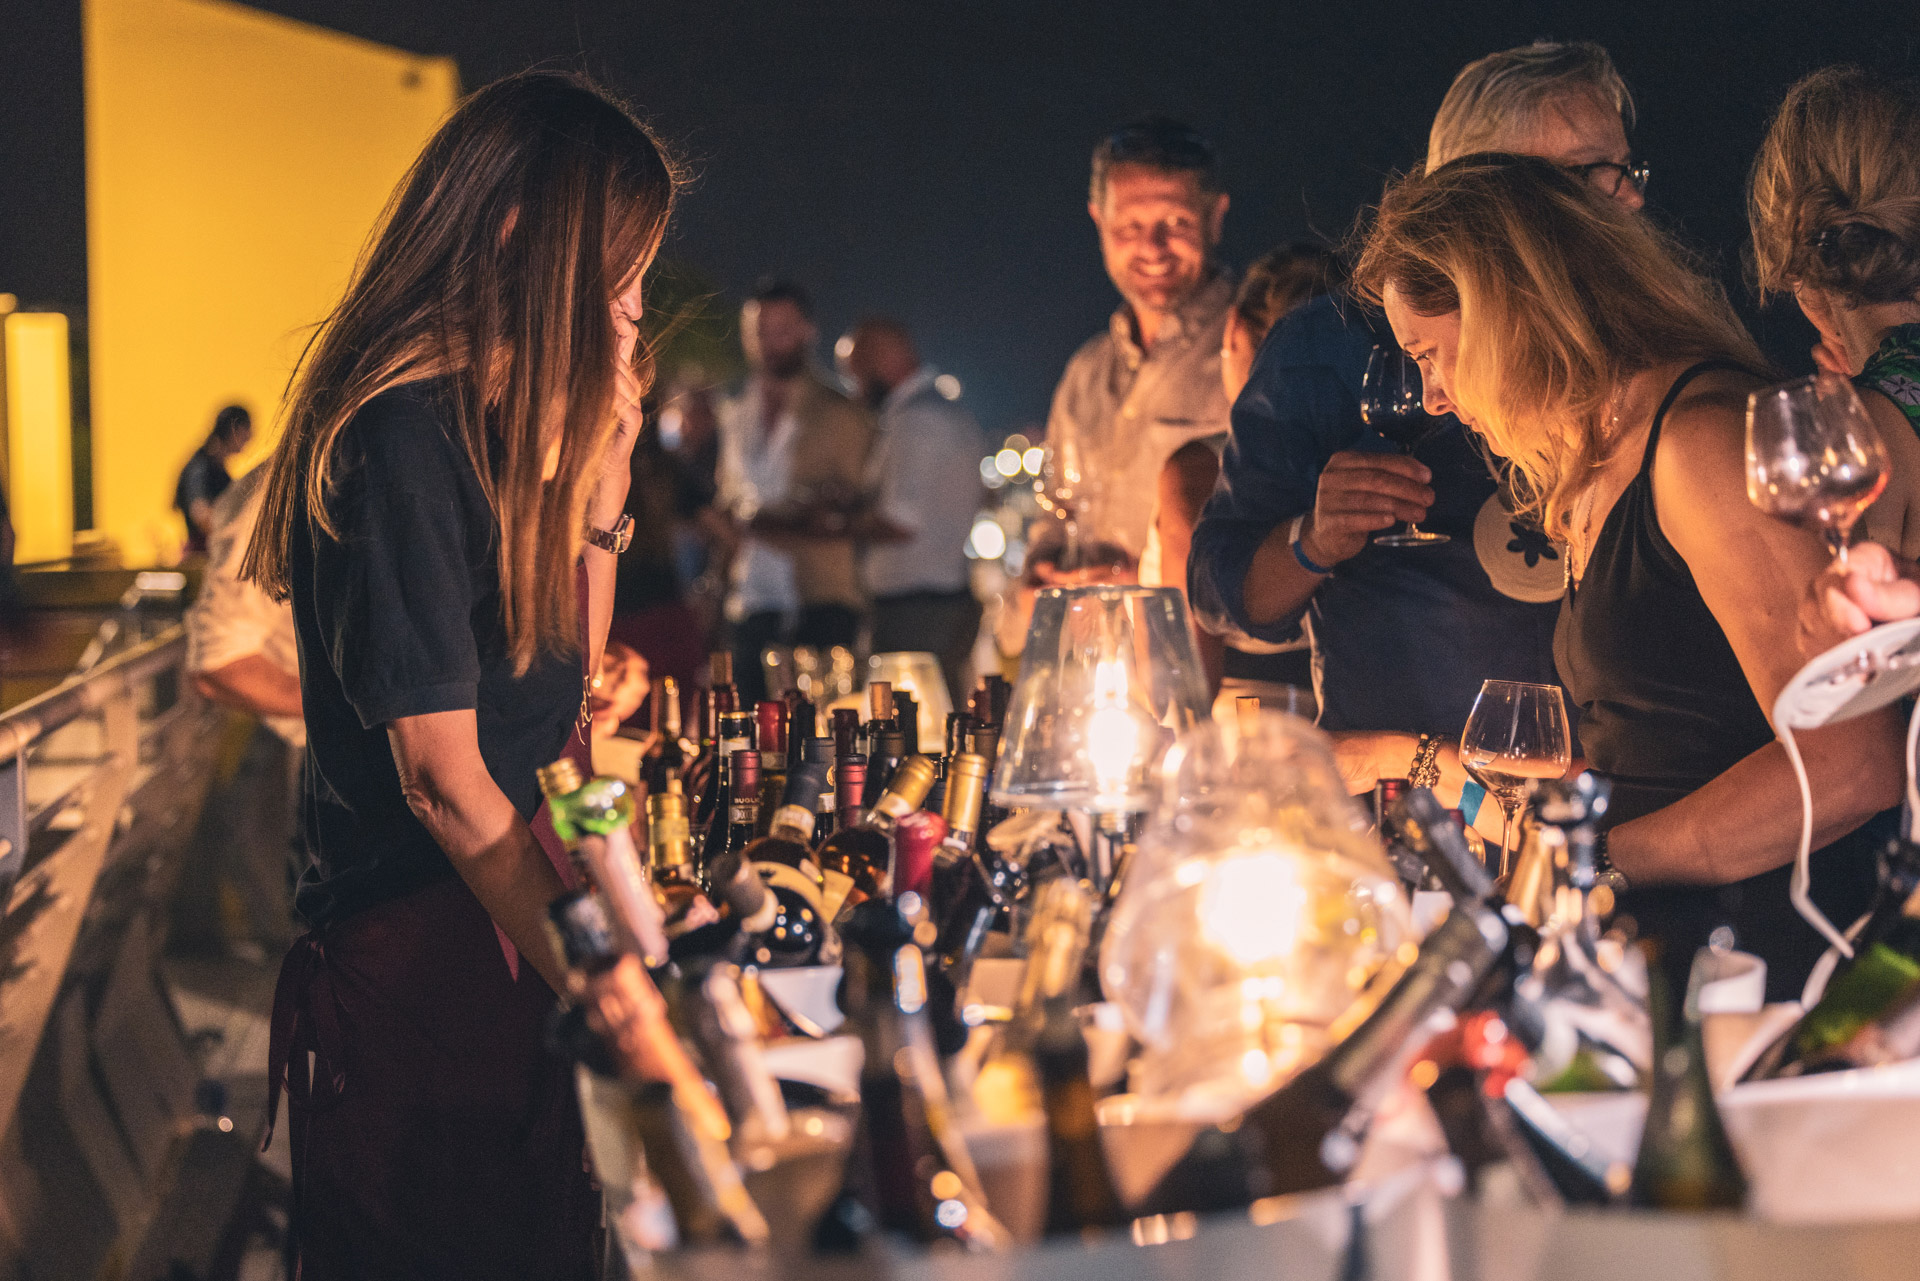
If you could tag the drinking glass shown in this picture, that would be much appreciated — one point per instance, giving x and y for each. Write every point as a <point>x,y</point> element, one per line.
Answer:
<point>1391,403</point>
<point>1814,456</point>
<point>1516,732</point>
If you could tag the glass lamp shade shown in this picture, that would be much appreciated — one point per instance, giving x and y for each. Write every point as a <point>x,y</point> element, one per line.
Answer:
<point>919,674</point>
<point>1257,908</point>
<point>1109,676</point>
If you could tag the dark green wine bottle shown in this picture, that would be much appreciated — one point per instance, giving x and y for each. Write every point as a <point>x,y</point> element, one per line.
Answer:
<point>1685,1160</point>
<point>1884,969</point>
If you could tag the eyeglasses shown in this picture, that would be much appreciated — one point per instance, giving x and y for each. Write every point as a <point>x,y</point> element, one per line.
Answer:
<point>1607,175</point>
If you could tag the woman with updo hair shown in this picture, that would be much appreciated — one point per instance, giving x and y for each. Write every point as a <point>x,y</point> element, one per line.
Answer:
<point>1834,206</point>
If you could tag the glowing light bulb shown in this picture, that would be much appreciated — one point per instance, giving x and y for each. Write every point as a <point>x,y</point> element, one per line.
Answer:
<point>1113,736</point>
<point>1254,908</point>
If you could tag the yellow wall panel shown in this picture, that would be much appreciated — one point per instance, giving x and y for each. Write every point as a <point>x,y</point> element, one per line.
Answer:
<point>39,436</point>
<point>236,161</point>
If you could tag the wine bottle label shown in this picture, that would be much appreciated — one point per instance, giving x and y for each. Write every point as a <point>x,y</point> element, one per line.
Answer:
<point>743,812</point>
<point>837,886</point>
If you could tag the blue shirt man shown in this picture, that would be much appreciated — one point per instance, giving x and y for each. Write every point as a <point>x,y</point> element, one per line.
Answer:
<point>1402,636</point>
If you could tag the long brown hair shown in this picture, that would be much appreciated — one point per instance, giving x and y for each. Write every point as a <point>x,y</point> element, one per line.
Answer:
<point>1563,294</point>
<point>494,267</point>
<point>1834,200</point>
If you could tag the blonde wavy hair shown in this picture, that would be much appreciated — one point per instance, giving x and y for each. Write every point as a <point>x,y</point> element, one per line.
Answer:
<point>1834,200</point>
<point>1496,101</point>
<point>1562,294</point>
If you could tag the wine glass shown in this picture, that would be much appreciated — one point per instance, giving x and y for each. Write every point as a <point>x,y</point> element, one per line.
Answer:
<point>1814,456</point>
<point>1391,403</point>
<point>1516,732</point>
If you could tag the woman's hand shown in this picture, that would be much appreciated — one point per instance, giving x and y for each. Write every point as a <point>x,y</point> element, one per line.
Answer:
<point>1361,493</point>
<point>610,494</point>
<point>1874,586</point>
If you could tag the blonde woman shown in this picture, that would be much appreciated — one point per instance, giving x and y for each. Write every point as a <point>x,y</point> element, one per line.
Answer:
<point>1577,339</point>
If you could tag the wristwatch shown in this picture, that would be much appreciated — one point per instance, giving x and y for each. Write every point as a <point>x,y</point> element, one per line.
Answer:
<point>615,540</point>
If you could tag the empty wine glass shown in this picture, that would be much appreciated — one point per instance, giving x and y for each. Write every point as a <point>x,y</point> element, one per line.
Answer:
<point>1814,456</point>
<point>1516,732</point>
<point>1392,403</point>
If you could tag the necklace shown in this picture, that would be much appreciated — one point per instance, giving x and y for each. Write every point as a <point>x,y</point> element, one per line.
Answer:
<point>1583,505</point>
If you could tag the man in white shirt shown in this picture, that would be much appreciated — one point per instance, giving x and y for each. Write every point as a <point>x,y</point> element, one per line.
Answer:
<point>793,464</point>
<point>926,478</point>
<point>240,645</point>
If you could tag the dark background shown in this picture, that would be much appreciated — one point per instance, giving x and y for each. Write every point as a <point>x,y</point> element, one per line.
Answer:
<point>930,160</point>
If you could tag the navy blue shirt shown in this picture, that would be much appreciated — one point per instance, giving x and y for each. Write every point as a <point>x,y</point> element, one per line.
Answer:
<point>1402,636</point>
<point>399,615</point>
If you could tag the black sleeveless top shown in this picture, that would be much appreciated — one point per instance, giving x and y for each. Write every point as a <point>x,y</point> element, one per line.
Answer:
<point>1664,710</point>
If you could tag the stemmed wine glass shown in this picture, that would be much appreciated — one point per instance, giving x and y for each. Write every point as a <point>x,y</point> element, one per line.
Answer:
<point>1391,403</point>
<point>1516,732</point>
<point>1814,456</point>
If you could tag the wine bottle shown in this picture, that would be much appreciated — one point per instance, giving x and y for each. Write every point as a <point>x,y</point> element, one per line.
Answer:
<point>623,1008</point>
<point>1884,970</point>
<point>620,1028</point>
<point>879,710</point>
<point>1685,1160</point>
<point>908,1170</point>
<point>856,859</point>
<point>799,932</point>
<point>906,714</point>
<point>670,864</point>
<point>1043,1055</point>
<point>961,895</point>
<point>889,748</point>
<point>594,819</point>
<point>844,723</point>
<point>1307,1134</point>
<point>737,820</point>
<point>915,839</point>
<point>730,1045</point>
<point>849,786</point>
<point>665,755</point>
<point>713,811</point>
<point>771,738</point>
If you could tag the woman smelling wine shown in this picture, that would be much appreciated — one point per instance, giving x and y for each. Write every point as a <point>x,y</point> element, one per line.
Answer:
<point>461,423</point>
<point>1576,338</point>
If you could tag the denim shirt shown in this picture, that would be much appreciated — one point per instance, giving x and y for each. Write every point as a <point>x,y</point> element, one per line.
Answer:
<point>1402,636</point>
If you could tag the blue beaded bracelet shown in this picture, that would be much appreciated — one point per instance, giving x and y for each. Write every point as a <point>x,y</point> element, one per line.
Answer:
<point>1306,561</point>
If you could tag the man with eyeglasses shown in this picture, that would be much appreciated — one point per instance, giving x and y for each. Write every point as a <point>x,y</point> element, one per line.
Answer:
<point>1402,636</point>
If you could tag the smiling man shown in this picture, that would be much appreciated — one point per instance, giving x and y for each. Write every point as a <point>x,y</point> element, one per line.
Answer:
<point>1402,636</point>
<point>1150,382</point>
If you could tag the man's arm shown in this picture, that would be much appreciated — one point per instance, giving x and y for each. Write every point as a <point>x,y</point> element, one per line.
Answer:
<point>252,684</point>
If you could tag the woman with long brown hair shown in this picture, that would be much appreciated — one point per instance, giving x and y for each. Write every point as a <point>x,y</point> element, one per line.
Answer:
<point>1579,341</point>
<point>444,510</point>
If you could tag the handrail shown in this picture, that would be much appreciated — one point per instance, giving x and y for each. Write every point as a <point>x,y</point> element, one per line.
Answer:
<point>25,725</point>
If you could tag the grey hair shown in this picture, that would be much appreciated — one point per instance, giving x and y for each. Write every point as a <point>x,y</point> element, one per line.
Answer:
<point>1497,99</point>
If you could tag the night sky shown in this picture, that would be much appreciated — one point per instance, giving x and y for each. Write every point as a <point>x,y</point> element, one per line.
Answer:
<point>929,161</point>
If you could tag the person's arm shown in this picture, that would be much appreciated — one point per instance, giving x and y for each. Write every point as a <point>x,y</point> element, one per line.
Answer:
<point>608,501</point>
<point>1186,481</point>
<point>252,684</point>
<point>1752,571</point>
<point>1359,494</point>
<point>446,784</point>
<point>200,514</point>
<point>1297,412</point>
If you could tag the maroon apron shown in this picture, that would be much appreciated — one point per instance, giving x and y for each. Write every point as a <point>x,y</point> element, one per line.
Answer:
<point>434,1135</point>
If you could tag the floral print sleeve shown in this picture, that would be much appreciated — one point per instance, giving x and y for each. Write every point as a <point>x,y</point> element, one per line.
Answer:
<point>1894,371</point>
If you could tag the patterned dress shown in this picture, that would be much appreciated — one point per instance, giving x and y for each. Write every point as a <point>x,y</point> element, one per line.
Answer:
<point>1894,371</point>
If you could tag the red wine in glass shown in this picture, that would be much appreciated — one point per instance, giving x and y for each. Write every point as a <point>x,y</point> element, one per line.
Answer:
<point>1392,403</point>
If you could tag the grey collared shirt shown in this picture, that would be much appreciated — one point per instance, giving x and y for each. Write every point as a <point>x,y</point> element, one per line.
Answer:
<point>1128,409</point>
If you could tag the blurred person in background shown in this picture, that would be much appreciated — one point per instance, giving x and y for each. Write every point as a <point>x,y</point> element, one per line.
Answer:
<point>793,466</point>
<point>925,475</point>
<point>704,540</point>
<point>242,654</point>
<point>1403,637</point>
<point>1274,285</point>
<point>205,477</point>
